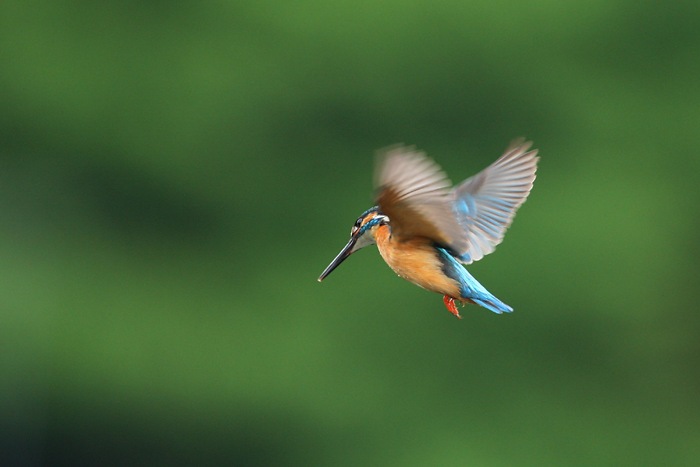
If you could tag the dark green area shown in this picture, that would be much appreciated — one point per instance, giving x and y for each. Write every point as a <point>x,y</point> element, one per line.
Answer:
<point>175,175</point>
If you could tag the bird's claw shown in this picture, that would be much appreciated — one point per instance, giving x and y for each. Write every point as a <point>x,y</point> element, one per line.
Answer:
<point>451,305</point>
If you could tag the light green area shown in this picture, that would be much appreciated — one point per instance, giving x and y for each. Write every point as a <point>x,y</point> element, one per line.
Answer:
<point>175,175</point>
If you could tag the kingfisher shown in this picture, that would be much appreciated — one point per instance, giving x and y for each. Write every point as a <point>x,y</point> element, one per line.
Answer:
<point>427,231</point>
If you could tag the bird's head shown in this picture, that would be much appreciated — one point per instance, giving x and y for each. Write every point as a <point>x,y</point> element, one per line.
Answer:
<point>361,235</point>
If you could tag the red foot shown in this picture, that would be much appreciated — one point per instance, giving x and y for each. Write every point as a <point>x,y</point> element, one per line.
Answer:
<point>451,306</point>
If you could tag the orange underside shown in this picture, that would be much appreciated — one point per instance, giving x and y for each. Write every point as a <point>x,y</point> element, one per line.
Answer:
<point>417,261</point>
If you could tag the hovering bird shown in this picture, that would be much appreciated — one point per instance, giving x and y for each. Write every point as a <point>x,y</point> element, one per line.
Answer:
<point>426,231</point>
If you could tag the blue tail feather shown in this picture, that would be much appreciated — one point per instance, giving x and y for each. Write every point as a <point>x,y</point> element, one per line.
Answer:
<point>470,288</point>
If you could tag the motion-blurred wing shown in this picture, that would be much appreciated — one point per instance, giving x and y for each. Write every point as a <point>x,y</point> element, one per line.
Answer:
<point>485,204</point>
<point>415,193</point>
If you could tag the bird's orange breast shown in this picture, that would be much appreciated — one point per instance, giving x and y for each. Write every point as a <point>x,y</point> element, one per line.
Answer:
<point>417,261</point>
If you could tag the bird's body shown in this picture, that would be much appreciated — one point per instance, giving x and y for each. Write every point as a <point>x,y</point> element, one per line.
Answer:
<point>425,232</point>
<point>417,260</point>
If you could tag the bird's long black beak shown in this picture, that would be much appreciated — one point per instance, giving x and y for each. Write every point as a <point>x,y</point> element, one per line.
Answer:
<point>344,253</point>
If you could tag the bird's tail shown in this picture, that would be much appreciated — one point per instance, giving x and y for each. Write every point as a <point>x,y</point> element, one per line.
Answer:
<point>493,304</point>
<point>474,291</point>
<point>469,287</point>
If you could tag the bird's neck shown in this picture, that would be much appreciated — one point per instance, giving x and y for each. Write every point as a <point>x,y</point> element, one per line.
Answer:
<point>382,236</point>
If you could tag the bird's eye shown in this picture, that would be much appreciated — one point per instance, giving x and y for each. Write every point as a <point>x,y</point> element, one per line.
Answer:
<point>358,224</point>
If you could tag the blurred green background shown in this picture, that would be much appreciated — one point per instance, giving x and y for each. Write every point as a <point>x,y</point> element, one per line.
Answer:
<point>175,175</point>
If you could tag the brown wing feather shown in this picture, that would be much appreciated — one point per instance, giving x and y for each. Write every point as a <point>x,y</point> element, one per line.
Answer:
<point>415,194</point>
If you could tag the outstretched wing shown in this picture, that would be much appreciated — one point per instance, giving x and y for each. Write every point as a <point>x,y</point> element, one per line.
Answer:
<point>485,204</point>
<point>415,193</point>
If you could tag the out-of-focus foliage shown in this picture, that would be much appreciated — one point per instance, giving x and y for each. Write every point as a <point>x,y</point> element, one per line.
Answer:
<point>175,175</point>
